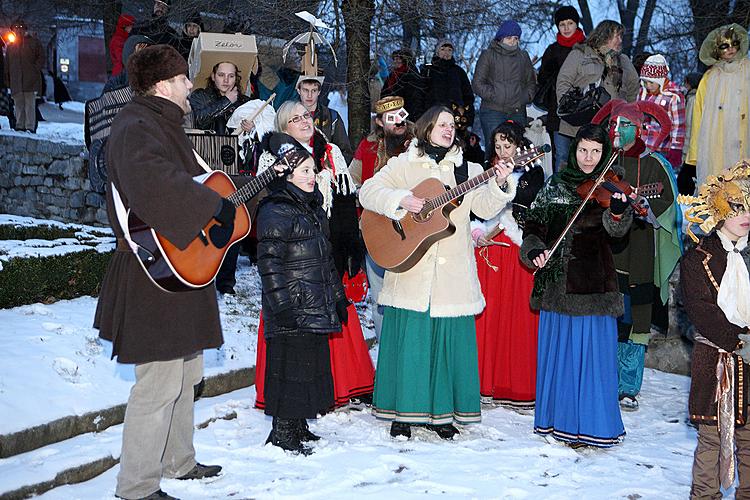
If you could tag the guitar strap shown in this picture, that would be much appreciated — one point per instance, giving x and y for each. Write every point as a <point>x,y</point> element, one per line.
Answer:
<point>122,211</point>
<point>461,173</point>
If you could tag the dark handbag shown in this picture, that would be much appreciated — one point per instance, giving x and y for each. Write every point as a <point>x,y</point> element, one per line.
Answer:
<point>578,108</point>
<point>543,97</point>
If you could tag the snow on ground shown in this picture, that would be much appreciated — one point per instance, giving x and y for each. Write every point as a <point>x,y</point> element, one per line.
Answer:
<point>85,238</point>
<point>53,350</point>
<point>499,458</point>
<point>57,131</point>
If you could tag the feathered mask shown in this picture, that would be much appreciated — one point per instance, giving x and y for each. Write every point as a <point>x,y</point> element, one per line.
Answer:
<point>719,198</point>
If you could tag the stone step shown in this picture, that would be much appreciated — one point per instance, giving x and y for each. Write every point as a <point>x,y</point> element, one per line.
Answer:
<point>85,456</point>
<point>97,421</point>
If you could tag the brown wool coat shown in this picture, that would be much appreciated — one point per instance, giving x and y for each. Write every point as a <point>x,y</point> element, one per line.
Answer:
<point>151,164</point>
<point>700,292</point>
<point>23,65</point>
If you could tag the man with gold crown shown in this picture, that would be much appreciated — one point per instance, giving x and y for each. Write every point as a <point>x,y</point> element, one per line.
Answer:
<point>720,133</point>
<point>716,293</point>
<point>390,138</point>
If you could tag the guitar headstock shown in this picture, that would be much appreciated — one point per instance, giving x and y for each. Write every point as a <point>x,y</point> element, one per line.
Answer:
<point>527,155</point>
<point>653,190</point>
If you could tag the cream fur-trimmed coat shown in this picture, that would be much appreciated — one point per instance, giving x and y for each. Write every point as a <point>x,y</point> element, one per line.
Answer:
<point>445,279</point>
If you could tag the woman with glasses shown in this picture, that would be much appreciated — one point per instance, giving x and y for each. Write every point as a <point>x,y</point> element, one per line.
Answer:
<point>720,132</point>
<point>353,372</point>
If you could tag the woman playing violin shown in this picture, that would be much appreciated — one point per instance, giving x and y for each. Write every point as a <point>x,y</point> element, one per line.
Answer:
<point>576,291</point>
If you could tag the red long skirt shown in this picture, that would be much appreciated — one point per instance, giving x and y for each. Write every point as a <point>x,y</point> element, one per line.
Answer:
<point>351,366</point>
<point>507,328</point>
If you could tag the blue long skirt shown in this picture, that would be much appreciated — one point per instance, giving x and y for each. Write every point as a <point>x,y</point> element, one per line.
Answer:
<point>576,384</point>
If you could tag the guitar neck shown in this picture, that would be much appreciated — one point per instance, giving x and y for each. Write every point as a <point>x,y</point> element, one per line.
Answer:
<point>462,189</point>
<point>253,187</point>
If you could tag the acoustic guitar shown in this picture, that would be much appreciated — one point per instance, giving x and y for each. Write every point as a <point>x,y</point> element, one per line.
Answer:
<point>397,245</point>
<point>175,270</point>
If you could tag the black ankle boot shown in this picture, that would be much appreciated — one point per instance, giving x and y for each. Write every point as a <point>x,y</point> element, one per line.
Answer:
<point>305,434</point>
<point>400,429</point>
<point>285,435</point>
<point>445,431</point>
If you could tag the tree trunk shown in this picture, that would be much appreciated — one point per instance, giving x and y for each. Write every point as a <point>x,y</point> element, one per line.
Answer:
<point>586,23</point>
<point>628,12</point>
<point>648,13</point>
<point>410,23</point>
<point>358,19</point>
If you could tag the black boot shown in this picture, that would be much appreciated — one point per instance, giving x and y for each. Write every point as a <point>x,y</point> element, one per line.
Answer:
<point>400,429</point>
<point>445,431</point>
<point>305,434</point>
<point>285,435</point>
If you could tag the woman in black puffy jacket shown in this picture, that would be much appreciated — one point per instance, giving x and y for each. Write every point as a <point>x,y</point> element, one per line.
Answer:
<point>303,299</point>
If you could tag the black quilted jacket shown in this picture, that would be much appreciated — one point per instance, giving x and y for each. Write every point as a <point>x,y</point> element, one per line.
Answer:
<point>296,264</point>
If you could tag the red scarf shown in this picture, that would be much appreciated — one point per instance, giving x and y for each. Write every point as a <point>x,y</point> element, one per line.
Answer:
<point>576,37</point>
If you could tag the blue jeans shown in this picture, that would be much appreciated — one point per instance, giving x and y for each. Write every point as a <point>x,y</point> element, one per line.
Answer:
<point>562,145</point>
<point>490,119</point>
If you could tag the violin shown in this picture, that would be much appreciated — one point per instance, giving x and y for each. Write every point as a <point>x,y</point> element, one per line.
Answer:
<point>613,183</point>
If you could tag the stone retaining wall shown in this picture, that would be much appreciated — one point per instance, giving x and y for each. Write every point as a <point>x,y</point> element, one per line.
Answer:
<point>47,180</point>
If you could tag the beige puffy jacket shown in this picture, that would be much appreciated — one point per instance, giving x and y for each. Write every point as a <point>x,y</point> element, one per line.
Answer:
<point>445,279</point>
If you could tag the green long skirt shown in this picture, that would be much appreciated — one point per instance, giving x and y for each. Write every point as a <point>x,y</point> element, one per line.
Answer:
<point>428,369</point>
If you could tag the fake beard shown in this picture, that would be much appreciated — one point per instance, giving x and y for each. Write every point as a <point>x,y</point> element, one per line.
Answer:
<point>394,144</point>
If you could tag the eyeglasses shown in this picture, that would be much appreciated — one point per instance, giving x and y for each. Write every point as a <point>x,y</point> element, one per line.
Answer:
<point>304,116</point>
<point>725,46</point>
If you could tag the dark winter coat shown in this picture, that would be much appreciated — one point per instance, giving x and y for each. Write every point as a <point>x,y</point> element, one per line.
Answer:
<point>295,263</point>
<point>118,42</point>
<point>24,60</point>
<point>211,110</point>
<point>151,163</point>
<point>410,86</point>
<point>504,79</point>
<point>552,60</point>
<point>446,83</point>
<point>587,284</point>
<point>329,122</point>
<point>701,271</point>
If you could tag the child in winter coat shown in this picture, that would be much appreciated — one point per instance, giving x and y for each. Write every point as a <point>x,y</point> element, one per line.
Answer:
<point>716,291</point>
<point>656,87</point>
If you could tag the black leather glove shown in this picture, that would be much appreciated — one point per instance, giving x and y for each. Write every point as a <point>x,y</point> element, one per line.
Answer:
<point>536,252</point>
<point>617,207</point>
<point>285,318</point>
<point>342,311</point>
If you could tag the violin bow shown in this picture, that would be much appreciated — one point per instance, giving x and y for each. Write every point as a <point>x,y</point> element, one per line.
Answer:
<point>578,211</point>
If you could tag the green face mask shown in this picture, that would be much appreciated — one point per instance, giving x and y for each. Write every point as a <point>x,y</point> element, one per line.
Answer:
<point>623,132</point>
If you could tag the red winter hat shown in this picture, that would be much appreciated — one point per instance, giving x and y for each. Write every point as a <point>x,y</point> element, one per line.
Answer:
<point>655,69</point>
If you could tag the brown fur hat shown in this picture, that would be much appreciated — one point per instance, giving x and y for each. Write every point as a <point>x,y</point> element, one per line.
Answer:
<point>154,64</point>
